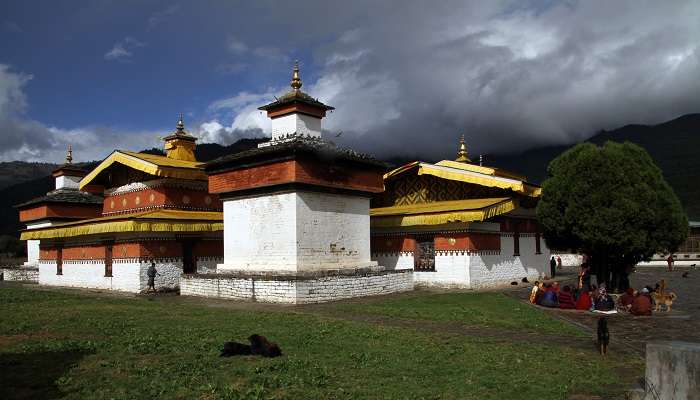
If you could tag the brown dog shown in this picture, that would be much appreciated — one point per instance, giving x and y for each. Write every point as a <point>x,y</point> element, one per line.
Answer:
<point>663,298</point>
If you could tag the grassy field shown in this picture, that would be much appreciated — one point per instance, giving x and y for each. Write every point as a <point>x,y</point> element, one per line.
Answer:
<point>83,345</point>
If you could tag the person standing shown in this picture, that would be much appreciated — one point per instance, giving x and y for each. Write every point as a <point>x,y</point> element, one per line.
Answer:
<point>553,266</point>
<point>152,272</point>
<point>670,260</point>
<point>559,263</point>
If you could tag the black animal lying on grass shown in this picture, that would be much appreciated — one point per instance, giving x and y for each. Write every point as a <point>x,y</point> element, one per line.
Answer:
<point>259,345</point>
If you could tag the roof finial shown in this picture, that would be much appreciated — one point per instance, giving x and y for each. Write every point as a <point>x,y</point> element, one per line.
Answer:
<point>180,125</point>
<point>69,155</point>
<point>462,155</point>
<point>296,81</point>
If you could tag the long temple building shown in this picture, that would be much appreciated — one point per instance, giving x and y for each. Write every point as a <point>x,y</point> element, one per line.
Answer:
<point>154,209</point>
<point>458,224</point>
<point>297,220</point>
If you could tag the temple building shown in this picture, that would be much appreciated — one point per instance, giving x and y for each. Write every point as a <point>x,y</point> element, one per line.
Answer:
<point>63,204</point>
<point>154,208</point>
<point>458,224</point>
<point>296,215</point>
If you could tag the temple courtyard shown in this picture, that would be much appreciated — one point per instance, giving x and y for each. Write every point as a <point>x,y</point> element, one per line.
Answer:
<point>77,343</point>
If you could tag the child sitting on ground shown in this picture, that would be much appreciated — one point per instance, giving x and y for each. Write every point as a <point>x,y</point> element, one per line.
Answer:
<point>566,298</point>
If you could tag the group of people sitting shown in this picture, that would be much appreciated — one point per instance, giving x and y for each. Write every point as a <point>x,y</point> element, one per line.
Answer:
<point>590,298</point>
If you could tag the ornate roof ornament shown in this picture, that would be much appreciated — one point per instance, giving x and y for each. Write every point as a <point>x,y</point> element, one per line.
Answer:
<point>69,155</point>
<point>296,81</point>
<point>462,155</point>
<point>180,126</point>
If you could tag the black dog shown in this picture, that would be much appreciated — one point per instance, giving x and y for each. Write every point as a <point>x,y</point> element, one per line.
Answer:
<point>603,335</point>
<point>260,345</point>
<point>235,349</point>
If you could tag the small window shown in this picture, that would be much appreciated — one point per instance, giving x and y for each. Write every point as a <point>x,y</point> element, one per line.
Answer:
<point>424,255</point>
<point>516,243</point>
<point>538,248</point>
<point>108,260</point>
<point>59,261</point>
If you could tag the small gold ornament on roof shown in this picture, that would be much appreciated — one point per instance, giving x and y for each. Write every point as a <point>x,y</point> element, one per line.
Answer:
<point>462,155</point>
<point>69,155</point>
<point>180,126</point>
<point>296,81</point>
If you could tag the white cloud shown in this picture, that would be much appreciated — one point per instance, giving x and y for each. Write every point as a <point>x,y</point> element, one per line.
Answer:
<point>236,46</point>
<point>123,50</point>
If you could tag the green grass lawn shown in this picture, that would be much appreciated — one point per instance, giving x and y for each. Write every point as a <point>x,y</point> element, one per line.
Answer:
<point>80,345</point>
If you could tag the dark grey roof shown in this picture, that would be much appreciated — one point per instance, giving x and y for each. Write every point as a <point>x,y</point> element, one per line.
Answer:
<point>320,148</point>
<point>295,97</point>
<point>73,196</point>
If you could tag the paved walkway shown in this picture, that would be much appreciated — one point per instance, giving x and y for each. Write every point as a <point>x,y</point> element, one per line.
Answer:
<point>630,333</point>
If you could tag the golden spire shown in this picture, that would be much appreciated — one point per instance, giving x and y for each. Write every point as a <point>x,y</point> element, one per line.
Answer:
<point>180,126</point>
<point>462,155</point>
<point>69,155</point>
<point>296,81</point>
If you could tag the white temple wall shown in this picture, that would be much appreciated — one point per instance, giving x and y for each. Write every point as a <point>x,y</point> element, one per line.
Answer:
<point>451,270</point>
<point>68,182</point>
<point>33,245</point>
<point>403,260</point>
<point>260,233</point>
<point>298,231</point>
<point>128,275</point>
<point>332,231</point>
<point>497,269</point>
<point>301,124</point>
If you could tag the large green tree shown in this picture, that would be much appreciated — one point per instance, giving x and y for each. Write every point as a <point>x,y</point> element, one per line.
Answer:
<point>613,204</point>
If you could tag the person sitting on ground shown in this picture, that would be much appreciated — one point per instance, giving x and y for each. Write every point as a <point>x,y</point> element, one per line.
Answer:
<point>625,301</point>
<point>549,298</point>
<point>584,301</point>
<point>604,302</point>
<point>533,292</point>
<point>642,303</point>
<point>566,298</point>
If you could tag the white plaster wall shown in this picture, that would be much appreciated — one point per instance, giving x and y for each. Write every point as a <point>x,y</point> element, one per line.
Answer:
<point>260,233</point>
<point>332,231</point>
<point>33,245</point>
<point>451,270</point>
<point>300,124</point>
<point>129,275</point>
<point>298,231</point>
<point>394,260</point>
<point>89,274</point>
<point>67,182</point>
<point>488,270</point>
<point>207,265</point>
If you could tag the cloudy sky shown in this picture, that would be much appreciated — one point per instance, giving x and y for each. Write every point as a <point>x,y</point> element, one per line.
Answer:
<point>406,77</point>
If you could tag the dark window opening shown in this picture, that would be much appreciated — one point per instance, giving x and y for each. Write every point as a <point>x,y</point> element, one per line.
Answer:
<point>538,249</point>
<point>424,255</point>
<point>108,260</point>
<point>59,261</point>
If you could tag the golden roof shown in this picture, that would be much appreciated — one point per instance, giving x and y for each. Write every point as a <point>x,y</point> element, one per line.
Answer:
<point>151,164</point>
<point>147,221</point>
<point>441,212</point>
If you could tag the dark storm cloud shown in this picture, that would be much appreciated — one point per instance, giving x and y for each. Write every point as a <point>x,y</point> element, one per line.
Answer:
<point>409,80</point>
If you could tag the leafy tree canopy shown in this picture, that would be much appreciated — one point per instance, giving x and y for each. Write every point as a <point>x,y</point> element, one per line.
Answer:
<point>610,202</point>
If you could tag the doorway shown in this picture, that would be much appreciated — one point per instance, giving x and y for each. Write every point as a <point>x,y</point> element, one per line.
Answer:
<point>189,261</point>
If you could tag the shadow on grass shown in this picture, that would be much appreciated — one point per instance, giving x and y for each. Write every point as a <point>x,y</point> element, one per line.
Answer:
<point>34,375</point>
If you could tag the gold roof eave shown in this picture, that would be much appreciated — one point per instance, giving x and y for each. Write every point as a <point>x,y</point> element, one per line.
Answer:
<point>150,164</point>
<point>468,173</point>
<point>441,212</point>
<point>149,221</point>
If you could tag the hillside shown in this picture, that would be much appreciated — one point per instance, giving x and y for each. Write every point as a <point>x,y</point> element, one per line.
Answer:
<point>674,146</point>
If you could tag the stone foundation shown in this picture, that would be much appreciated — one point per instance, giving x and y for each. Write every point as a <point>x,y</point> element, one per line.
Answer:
<point>24,274</point>
<point>318,287</point>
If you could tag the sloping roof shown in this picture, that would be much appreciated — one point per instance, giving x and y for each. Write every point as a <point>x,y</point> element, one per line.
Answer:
<point>71,196</point>
<point>441,212</point>
<point>150,164</point>
<point>468,173</point>
<point>147,221</point>
<point>319,147</point>
<point>295,97</point>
